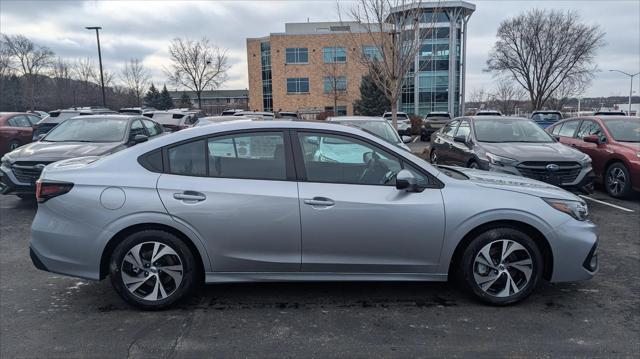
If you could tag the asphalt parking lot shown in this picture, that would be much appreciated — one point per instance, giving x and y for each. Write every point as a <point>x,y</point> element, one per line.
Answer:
<point>47,315</point>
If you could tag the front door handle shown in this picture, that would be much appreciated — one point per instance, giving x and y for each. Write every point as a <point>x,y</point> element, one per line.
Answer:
<point>319,201</point>
<point>190,196</point>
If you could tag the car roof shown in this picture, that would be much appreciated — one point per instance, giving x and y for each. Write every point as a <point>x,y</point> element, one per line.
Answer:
<point>356,118</point>
<point>499,118</point>
<point>109,117</point>
<point>546,111</point>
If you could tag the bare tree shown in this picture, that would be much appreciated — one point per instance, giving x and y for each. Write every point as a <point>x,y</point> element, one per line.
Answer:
<point>62,74</point>
<point>506,95</point>
<point>29,59</point>
<point>391,28</point>
<point>541,49</point>
<point>5,58</point>
<point>84,71</point>
<point>335,83</point>
<point>564,93</point>
<point>135,78</point>
<point>197,65</point>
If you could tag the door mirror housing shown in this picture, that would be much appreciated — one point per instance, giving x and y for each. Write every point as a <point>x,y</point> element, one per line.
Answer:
<point>406,139</point>
<point>406,181</point>
<point>592,139</point>
<point>460,138</point>
<point>139,139</point>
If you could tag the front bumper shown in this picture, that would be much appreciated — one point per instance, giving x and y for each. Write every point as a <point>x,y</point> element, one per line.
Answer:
<point>574,247</point>
<point>9,184</point>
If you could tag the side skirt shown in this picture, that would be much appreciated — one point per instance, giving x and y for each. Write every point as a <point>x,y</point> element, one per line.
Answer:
<point>238,277</point>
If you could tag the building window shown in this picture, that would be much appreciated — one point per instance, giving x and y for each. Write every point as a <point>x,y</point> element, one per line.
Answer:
<point>297,55</point>
<point>298,85</point>
<point>334,55</point>
<point>341,110</point>
<point>265,61</point>
<point>371,53</point>
<point>337,83</point>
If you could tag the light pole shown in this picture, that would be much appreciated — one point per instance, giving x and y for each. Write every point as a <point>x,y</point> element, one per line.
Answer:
<point>97,28</point>
<point>630,88</point>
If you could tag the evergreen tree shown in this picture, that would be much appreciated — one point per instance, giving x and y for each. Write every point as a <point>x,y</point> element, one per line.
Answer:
<point>372,100</point>
<point>165,102</point>
<point>185,100</point>
<point>152,97</point>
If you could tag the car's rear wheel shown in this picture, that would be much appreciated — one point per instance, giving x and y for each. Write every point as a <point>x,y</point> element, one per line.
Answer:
<point>501,266</point>
<point>153,269</point>
<point>473,165</point>
<point>618,181</point>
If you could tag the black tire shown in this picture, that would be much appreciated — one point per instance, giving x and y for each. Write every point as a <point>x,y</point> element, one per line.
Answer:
<point>423,138</point>
<point>12,145</point>
<point>473,165</point>
<point>27,196</point>
<point>468,266</point>
<point>433,157</point>
<point>190,275</point>
<point>617,180</point>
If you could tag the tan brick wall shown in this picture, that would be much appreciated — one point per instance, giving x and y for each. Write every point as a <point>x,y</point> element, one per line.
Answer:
<point>315,70</point>
<point>255,74</point>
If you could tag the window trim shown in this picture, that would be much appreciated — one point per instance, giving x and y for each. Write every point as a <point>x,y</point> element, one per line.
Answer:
<point>290,170</point>
<point>298,80</point>
<point>302,172</point>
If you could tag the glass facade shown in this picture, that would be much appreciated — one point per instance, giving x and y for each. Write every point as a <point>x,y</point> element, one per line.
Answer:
<point>265,63</point>
<point>434,83</point>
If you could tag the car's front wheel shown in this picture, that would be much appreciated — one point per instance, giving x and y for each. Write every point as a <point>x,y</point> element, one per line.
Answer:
<point>153,269</point>
<point>501,266</point>
<point>433,157</point>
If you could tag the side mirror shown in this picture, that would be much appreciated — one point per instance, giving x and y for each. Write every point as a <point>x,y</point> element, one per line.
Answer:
<point>406,181</point>
<point>406,139</point>
<point>592,139</point>
<point>460,138</point>
<point>139,138</point>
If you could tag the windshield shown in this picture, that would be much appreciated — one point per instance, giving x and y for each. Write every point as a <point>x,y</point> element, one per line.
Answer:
<point>553,117</point>
<point>380,129</point>
<point>509,130</point>
<point>89,130</point>
<point>624,130</point>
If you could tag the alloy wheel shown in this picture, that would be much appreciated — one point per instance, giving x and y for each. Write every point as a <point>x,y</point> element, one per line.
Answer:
<point>13,146</point>
<point>434,157</point>
<point>152,271</point>
<point>502,268</point>
<point>616,180</point>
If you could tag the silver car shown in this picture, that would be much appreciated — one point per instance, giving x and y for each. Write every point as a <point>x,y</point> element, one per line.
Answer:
<point>248,201</point>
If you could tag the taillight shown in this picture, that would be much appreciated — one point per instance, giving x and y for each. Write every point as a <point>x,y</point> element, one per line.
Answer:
<point>46,190</point>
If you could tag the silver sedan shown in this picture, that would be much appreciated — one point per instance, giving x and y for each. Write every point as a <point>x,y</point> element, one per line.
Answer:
<point>249,201</point>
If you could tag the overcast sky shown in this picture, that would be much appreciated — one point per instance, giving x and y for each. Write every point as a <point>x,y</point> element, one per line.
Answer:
<point>143,29</point>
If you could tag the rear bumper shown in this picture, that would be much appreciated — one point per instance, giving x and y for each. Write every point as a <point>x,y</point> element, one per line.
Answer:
<point>9,184</point>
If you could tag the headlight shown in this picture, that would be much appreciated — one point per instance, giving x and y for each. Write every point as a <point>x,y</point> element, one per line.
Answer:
<point>575,209</point>
<point>500,161</point>
<point>586,160</point>
<point>638,154</point>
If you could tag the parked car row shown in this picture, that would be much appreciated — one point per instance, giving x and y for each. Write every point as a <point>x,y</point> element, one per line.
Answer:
<point>165,215</point>
<point>572,153</point>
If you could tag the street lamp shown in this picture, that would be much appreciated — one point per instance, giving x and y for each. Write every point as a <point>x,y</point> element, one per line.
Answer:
<point>97,28</point>
<point>630,88</point>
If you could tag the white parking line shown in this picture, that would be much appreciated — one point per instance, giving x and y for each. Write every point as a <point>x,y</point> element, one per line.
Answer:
<point>607,204</point>
<point>415,139</point>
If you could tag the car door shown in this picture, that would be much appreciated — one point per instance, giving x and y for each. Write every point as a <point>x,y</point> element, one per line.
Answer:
<point>444,143</point>
<point>238,193</point>
<point>353,218</point>
<point>599,153</point>
<point>24,129</point>
<point>461,152</point>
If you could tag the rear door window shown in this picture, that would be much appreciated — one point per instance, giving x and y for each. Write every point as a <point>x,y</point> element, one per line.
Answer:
<point>259,155</point>
<point>188,159</point>
<point>569,128</point>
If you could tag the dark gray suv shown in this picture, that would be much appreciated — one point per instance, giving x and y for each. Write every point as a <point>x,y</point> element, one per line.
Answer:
<point>511,145</point>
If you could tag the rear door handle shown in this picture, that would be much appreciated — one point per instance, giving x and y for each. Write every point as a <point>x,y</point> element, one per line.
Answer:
<point>319,201</point>
<point>190,196</point>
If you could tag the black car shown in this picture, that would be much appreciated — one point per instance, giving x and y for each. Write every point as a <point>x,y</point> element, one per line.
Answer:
<point>432,122</point>
<point>511,145</point>
<point>58,116</point>
<point>95,135</point>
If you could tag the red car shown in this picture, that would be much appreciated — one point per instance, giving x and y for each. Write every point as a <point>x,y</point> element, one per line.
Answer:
<point>612,142</point>
<point>15,130</point>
